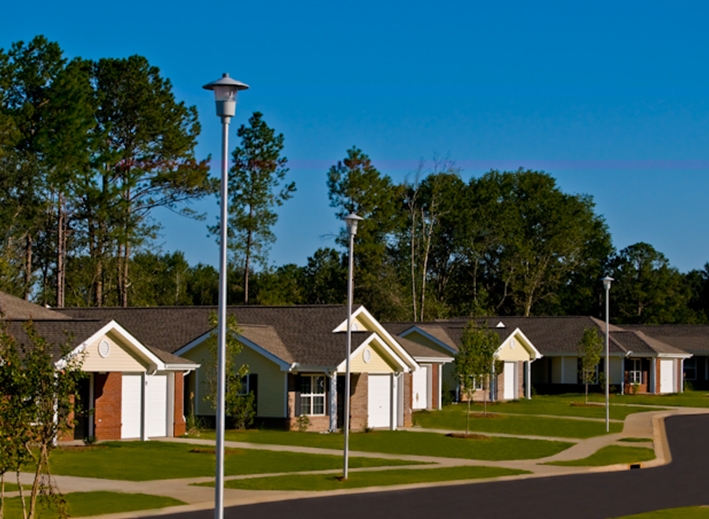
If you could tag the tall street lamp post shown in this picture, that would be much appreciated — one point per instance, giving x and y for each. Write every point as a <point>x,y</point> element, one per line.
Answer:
<point>607,286</point>
<point>225,90</point>
<point>351,220</point>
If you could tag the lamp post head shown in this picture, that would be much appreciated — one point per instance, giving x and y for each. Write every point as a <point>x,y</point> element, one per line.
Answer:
<point>225,90</point>
<point>607,282</point>
<point>352,220</point>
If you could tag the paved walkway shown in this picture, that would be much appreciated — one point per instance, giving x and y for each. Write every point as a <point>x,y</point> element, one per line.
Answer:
<point>639,425</point>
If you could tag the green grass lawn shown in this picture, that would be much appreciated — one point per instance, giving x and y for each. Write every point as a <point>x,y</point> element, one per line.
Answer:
<point>686,399</point>
<point>370,479</point>
<point>82,504</point>
<point>143,461</point>
<point>12,487</point>
<point>558,405</point>
<point>453,417</point>
<point>610,455</point>
<point>692,512</point>
<point>405,442</point>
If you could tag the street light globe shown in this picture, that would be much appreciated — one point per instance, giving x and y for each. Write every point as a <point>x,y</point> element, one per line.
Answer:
<point>607,282</point>
<point>225,91</point>
<point>352,220</point>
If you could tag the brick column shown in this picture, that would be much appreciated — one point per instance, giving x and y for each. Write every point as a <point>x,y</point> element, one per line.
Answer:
<point>408,399</point>
<point>179,426</point>
<point>107,405</point>
<point>359,403</point>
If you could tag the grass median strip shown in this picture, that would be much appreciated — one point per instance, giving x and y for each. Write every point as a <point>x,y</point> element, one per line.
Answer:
<point>406,442</point>
<point>84,504</point>
<point>691,512</point>
<point>317,482</point>
<point>558,405</point>
<point>610,455</point>
<point>453,418</point>
<point>144,461</point>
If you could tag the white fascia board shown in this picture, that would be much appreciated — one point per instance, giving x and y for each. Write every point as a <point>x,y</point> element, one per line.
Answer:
<point>525,342</point>
<point>674,355</point>
<point>380,330</point>
<point>405,368</point>
<point>282,364</point>
<point>430,337</point>
<point>136,345</point>
<point>182,367</point>
<point>302,368</point>
<point>434,360</point>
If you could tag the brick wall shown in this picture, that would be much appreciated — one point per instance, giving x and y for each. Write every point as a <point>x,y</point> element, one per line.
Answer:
<point>317,424</point>
<point>179,425</point>
<point>408,399</point>
<point>435,390</point>
<point>359,402</point>
<point>107,405</point>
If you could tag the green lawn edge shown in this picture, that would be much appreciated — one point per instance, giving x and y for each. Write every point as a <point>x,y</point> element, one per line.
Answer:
<point>323,482</point>
<point>84,504</point>
<point>126,461</point>
<point>690,512</point>
<point>610,455</point>
<point>410,443</point>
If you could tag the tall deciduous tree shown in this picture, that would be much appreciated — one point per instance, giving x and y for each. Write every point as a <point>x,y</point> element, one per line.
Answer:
<point>256,188</point>
<point>356,186</point>
<point>647,288</point>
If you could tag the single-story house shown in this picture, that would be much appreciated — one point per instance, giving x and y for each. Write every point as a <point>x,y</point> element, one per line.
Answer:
<point>296,359</point>
<point>131,391</point>
<point>690,338</point>
<point>516,352</point>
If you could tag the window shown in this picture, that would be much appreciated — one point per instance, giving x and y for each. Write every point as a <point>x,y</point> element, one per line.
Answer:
<point>312,394</point>
<point>690,368</point>
<point>244,385</point>
<point>635,374</point>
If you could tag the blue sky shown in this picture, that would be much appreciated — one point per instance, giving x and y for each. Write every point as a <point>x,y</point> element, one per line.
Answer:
<point>611,98</point>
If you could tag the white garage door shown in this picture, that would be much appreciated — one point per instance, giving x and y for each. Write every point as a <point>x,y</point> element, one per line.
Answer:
<point>420,386</point>
<point>156,405</point>
<point>667,376</point>
<point>379,401</point>
<point>131,399</point>
<point>510,378</point>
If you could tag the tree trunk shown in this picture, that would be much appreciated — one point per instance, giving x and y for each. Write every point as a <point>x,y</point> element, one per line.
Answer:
<point>427,252</point>
<point>247,259</point>
<point>61,252</point>
<point>126,284</point>
<point>28,267</point>
<point>413,261</point>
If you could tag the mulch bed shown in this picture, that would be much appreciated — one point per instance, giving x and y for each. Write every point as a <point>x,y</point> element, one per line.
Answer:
<point>483,415</point>
<point>590,404</point>
<point>471,436</point>
<point>205,450</point>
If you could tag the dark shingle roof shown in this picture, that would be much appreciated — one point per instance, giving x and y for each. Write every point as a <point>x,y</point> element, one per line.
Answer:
<point>15,309</point>
<point>302,334</point>
<point>692,338</point>
<point>57,333</point>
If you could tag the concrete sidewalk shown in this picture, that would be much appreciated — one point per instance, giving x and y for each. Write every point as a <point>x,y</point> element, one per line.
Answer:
<point>639,425</point>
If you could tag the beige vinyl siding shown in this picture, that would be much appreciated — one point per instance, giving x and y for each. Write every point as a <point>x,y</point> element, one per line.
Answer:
<point>513,351</point>
<point>271,382</point>
<point>377,362</point>
<point>120,358</point>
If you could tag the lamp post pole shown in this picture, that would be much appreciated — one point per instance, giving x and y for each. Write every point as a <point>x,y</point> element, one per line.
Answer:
<point>607,286</point>
<point>351,220</point>
<point>225,92</point>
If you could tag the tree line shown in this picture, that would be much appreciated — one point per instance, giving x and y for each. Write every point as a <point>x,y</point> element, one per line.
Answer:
<point>89,149</point>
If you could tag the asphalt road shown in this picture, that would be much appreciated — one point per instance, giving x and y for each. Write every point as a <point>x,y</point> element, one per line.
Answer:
<point>684,482</point>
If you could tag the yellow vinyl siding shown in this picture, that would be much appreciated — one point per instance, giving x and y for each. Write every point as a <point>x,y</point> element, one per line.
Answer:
<point>271,382</point>
<point>120,358</point>
<point>377,363</point>
<point>513,351</point>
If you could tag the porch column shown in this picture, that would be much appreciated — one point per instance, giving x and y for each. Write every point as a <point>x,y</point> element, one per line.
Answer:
<point>144,406</point>
<point>681,375</point>
<point>654,375</point>
<point>622,375</point>
<point>333,401</point>
<point>528,385</point>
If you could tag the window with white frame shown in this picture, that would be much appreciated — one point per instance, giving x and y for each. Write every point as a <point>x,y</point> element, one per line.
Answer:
<point>690,368</point>
<point>635,375</point>
<point>312,395</point>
